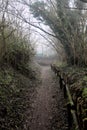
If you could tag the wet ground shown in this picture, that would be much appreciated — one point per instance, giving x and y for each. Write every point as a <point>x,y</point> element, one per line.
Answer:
<point>48,105</point>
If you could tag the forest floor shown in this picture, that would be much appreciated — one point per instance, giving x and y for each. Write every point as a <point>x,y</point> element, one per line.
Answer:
<point>48,105</point>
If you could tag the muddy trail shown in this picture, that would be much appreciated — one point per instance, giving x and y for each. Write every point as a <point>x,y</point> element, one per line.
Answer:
<point>49,107</point>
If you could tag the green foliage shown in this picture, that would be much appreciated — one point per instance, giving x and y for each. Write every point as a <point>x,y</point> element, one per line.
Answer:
<point>84,93</point>
<point>15,88</point>
<point>17,79</point>
<point>18,54</point>
<point>37,8</point>
<point>14,47</point>
<point>12,99</point>
<point>76,80</point>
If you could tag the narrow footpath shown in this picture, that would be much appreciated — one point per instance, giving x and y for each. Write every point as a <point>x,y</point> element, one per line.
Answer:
<point>49,107</point>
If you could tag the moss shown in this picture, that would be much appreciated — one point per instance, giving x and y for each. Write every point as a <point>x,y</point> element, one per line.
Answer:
<point>85,78</point>
<point>84,93</point>
<point>77,82</point>
<point>5,77</point>
<point>85,119</point>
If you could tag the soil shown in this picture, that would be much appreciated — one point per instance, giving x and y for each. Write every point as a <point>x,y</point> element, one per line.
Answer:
<point>49,107</point>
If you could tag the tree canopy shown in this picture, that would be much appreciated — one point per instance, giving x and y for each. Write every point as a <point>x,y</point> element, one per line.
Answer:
<point>69,26</point>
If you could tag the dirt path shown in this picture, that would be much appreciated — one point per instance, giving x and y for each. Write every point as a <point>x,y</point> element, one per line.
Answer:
<point>48,113</point>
